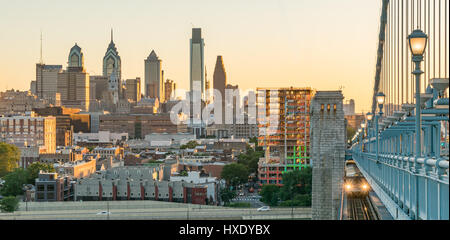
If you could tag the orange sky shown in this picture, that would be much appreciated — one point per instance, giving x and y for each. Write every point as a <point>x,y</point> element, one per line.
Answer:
<point>322,44</point>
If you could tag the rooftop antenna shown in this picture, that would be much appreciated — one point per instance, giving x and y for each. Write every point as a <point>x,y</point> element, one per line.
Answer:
<point>40,60</point>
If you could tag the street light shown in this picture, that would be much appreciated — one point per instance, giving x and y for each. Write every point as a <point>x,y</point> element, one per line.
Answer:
<point>380,100</point>
<point>369,117</point>
<point>417,45</point>
<point>417,42</point>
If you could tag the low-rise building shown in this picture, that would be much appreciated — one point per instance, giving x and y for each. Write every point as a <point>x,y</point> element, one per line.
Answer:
<point>139,125</point>
<point>78,169</point>
<point>101,138</point>
<point>24,131</point>
<point>114,152</point>
<point>51,187</point>
<point>137,183</point>
<point>211,183</point>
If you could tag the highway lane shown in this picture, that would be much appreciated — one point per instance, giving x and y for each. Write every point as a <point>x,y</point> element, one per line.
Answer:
<point>159,213</point>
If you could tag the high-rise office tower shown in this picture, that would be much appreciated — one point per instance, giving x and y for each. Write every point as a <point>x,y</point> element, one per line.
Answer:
<point>133,89</point>
<point>112,62</point>
<point>46,81</point>
<point>33,87</point>
<point>73,83</point>
<point>169,88</point>
<point>154,85</point>
<point>220,77</point>
<point>197,65</point>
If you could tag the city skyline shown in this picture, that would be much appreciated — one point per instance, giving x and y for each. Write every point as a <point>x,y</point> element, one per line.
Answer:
<point>268,45</point>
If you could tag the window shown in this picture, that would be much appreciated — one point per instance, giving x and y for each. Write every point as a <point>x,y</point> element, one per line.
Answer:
<point>50,187</point>
<point>40,196</point>
<point>50,195</point>
<point>40,188</point>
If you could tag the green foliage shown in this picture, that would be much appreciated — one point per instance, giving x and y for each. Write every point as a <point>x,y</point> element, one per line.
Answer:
<point>14,182</point>
<point>9,204</point>
<point>190,145</point>
<point>184,173</point>
<point>9,157</point>
<point>251,159</point>
<point>269,194</point>
<point>239,205</point>
<point>296,189</point>
<point>33,171</point>
<point>296,182</point>
<point>226,195</point>
<point>235,174</point>
<point>300,200</point>
<point>350,132</point>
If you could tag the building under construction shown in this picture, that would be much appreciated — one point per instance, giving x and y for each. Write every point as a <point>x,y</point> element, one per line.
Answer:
<point>283,122</point>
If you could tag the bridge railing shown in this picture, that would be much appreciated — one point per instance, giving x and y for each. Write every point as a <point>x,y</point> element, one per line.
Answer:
<point>413,188</point>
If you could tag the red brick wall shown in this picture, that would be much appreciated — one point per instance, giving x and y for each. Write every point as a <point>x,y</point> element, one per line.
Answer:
<point>199,196</point>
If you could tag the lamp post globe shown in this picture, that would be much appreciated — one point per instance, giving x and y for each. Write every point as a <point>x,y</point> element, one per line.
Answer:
<point>369,116</point>
<point>417,42</point>
<point>380,100</point>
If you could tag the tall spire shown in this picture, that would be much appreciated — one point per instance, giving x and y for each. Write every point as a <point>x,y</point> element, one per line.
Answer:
<point>112,35</point>
<point>41,61</point>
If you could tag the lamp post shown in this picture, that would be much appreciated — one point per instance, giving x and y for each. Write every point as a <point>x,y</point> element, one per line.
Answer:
<point>363,135</point>
<point>380,100</point>
<point>417,44</point>
<point>369,117</point>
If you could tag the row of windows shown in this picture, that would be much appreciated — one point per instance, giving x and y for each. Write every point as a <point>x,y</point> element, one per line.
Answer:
<point>131,194</point>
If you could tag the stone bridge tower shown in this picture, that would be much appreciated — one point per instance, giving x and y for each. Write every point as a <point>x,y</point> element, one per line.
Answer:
<point>327,154</point>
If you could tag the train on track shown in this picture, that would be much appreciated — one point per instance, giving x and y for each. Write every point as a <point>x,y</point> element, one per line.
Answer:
<point>355,184</point>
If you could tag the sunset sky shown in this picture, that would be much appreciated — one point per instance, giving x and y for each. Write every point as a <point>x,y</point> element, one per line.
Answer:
<point>322,44</point>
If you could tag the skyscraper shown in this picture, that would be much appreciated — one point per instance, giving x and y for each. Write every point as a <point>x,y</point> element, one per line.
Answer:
<point>154,85</point>
<point>169,88</point>
<point>220,77</point>
<point>112,62</point>
<point>133,89</point>
<point>46,81</point>
<point>197,60</point>
<point>73,83</point>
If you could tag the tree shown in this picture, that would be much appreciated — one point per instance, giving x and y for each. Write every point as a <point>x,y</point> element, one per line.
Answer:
<point>9,157</point>
<point>190,145</point>
<point>350,132</point>
<point>235,174</point>
<point>269,194</point>
<point>9,204</point>
<point>184,173</point>
<point>296,182</point>
<point>14,182</point>
<point>34,168</point>
<point>300,200</point>
<point>250,159</point>
<point>226,195</point>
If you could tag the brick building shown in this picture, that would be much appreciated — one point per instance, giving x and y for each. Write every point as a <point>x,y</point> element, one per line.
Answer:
<point>137,183</point>
<point>50,187</point>
<point>139,125</point>
<point>24,131</point>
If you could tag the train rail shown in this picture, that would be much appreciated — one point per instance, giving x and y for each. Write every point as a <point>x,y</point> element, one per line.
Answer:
<point>361,208</point>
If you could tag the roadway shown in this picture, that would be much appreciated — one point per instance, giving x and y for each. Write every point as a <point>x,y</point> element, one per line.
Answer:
<point>164,213</point>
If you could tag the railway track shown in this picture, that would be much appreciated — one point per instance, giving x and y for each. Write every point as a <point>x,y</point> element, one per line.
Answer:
<point>361,209</point>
